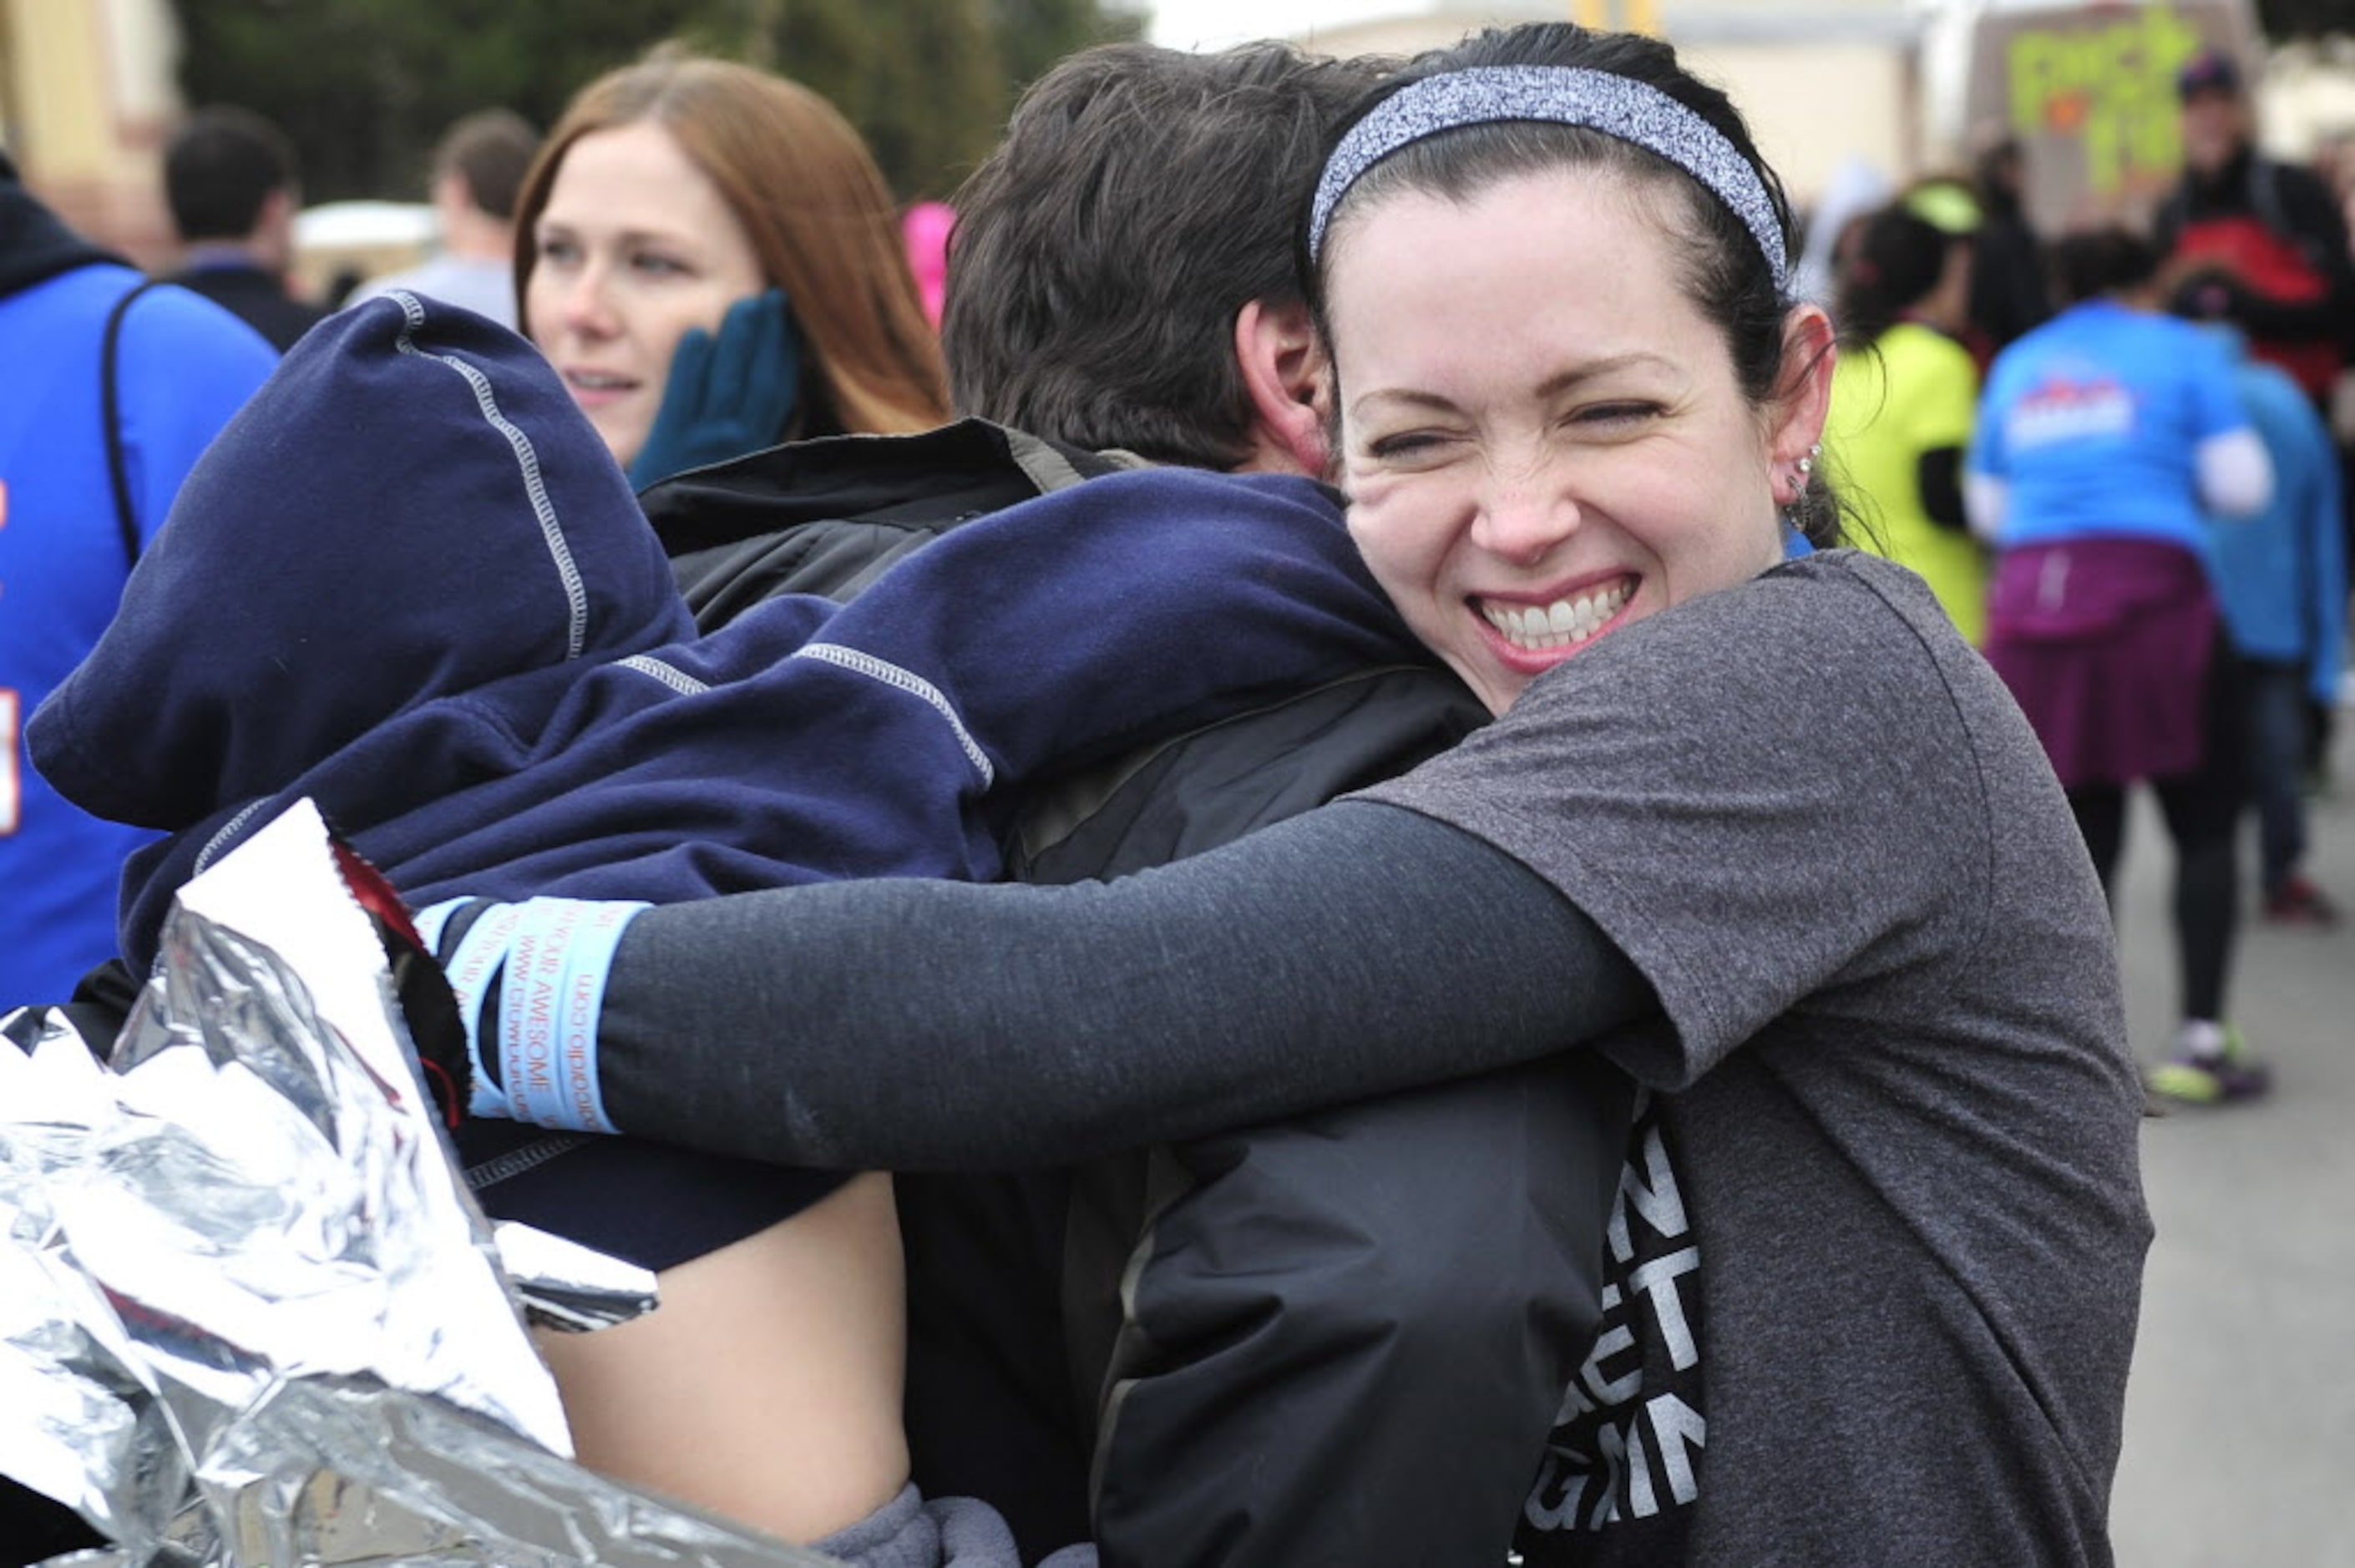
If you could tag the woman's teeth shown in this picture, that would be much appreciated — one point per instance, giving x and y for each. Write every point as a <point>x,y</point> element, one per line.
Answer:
<point>1565,623</point>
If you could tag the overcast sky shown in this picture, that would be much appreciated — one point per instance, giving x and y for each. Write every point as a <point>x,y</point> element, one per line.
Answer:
<point>1215,24</point>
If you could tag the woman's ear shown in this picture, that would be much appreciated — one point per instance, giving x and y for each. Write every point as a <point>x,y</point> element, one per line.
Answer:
<point>1804,398</point>
<point>1285,374</point>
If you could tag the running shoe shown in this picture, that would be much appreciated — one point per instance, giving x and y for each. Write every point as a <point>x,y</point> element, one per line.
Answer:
<point>2297,902</point>
<point>2214,1070</point>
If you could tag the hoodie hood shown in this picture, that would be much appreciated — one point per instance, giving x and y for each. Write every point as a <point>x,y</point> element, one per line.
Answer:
<point>33,244</point>
<point>322,568</point>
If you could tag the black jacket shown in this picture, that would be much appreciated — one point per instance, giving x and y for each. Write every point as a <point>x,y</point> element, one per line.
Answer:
<point>2293,203</point>
<point>1176,1353</point>
<point>256,298</point>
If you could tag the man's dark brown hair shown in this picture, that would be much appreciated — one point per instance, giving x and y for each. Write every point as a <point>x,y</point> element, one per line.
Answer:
<point>1140,198</point>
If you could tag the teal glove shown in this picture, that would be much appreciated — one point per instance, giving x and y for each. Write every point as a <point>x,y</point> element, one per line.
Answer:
<point>726,396</point>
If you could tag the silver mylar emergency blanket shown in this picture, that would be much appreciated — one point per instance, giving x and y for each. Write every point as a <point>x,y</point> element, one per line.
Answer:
<point>249,1313</point>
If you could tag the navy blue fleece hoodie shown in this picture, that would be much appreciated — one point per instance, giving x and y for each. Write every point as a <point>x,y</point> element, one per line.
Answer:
<point>409,582</point>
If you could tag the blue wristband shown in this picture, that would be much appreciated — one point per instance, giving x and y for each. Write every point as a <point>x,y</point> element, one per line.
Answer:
<point>554,990</point>
<point>430,923</point>
<point>481,954</point>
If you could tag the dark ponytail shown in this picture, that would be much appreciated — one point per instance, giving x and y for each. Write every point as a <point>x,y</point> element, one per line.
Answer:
<point>1896,262</point>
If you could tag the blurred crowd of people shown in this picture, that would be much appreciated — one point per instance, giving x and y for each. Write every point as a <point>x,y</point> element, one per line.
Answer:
<point>2113,454</point>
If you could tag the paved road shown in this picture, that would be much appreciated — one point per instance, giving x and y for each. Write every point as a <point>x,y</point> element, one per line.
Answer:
<point>2240,1413</point>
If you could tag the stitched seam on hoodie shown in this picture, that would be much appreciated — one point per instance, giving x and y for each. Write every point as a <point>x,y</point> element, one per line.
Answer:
<point>551,530</point>
<point>915,686</point>
<point>229,832</point>
<point>678,680</point>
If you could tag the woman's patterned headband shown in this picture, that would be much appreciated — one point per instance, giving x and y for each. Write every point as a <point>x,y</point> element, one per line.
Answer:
<point>1563,95</point>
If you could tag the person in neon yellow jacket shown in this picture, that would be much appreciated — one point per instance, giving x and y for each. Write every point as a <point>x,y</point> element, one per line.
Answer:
<point>1902,396</point>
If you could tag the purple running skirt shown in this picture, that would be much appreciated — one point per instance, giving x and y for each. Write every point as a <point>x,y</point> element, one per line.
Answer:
<point>2106,644</point>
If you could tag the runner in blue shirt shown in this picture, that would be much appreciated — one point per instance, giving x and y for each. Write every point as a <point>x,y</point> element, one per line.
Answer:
<point>182,366</point>
<point>2105,438</point>
<point>2094,423</point>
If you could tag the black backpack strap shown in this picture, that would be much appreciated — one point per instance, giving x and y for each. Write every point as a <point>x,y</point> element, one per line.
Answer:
<point>2265,199</point>
<point>2167,222</point>
<point>111,402</point>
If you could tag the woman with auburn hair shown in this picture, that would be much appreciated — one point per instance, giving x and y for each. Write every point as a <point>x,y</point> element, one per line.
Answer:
<point>711,260</point>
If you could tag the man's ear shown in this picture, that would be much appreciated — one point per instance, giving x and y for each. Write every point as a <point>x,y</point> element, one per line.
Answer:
<point>273,227</point>
<point>452,194</point>
<point>1284,372</point>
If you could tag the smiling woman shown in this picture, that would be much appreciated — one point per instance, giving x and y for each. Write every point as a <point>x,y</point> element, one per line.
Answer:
<point>710,258</point>
<point>1530,466</point>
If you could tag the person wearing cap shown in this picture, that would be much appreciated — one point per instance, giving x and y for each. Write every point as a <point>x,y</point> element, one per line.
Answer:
<point>2252,239</point>
<point>2263,245</point>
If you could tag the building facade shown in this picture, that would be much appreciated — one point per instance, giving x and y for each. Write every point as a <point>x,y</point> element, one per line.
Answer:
<point>87,98</point>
